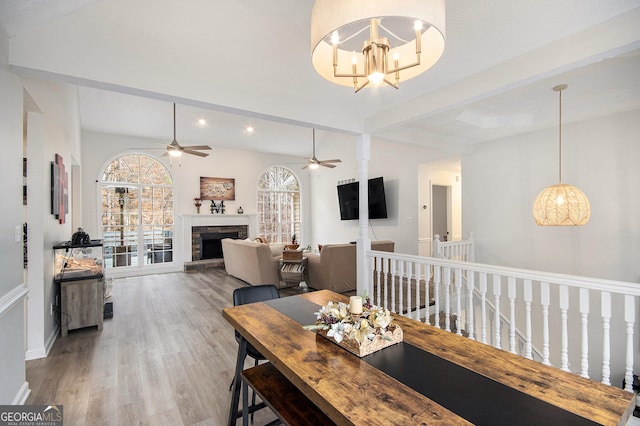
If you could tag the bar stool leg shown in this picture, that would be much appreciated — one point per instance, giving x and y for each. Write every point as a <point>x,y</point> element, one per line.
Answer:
<point>233,409</point>
<point>245,404</point>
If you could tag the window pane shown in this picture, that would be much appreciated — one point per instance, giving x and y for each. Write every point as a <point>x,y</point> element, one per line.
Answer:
<point>137,211</point>
<point>278,205</point>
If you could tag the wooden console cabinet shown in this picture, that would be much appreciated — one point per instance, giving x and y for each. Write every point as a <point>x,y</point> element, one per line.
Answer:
<point>81,304</point>
<point>80,285</point>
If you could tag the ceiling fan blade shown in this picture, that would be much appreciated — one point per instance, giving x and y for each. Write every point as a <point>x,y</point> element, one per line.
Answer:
<point>305,166</point>
<point>147,147</point>
<point>197,147</point>
<point>198,153</point>
<point>331,161</point>
<point>331,166</point>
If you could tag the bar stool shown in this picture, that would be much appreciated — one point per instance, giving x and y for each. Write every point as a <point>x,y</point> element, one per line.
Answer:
<point>243,296</point>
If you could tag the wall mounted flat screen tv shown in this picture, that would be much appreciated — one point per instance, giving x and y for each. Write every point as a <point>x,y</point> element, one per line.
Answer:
<point>348,199</point>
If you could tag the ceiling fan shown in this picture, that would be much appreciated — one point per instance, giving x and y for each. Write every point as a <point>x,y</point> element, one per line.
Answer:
<point>175,149</point>
<point>314,163</point>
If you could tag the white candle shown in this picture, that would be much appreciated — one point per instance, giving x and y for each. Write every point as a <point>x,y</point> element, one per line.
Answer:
<point>355,305</point>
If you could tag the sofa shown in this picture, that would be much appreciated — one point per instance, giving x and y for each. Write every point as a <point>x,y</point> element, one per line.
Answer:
<point>253,262</point>
<point>335,267</point>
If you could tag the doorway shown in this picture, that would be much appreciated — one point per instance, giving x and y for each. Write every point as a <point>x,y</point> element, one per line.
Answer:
<point>137,214</point>
<point>441,211</point>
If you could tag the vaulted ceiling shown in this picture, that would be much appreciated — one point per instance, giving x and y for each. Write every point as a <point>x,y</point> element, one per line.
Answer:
<point>248,62</point>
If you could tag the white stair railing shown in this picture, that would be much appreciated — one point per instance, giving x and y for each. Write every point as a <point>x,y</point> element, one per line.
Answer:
<point>462,250</point>
<point>531,300</point>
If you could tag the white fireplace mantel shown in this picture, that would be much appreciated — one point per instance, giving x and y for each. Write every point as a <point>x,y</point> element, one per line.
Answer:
<point>191,220</point>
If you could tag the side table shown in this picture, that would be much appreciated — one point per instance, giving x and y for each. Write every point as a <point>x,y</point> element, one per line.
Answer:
<point>292,272</point>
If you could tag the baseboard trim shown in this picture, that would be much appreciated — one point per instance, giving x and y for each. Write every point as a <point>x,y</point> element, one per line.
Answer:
<point>43,352</point>
<point>23,394</point>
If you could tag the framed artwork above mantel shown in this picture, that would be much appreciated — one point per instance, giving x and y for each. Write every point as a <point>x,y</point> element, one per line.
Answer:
<point>223,189</point>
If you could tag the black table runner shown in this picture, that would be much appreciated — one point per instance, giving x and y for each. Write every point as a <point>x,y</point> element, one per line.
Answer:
<point>478,399</point>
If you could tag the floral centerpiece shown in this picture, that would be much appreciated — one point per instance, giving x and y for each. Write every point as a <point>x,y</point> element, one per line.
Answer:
<point>361,328</point>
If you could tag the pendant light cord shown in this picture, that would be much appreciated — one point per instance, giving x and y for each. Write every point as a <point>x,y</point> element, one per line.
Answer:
<point>560,139</point>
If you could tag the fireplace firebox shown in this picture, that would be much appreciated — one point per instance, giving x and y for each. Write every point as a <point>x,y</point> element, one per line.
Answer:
<point>206,240</point>
<point>211,245</point>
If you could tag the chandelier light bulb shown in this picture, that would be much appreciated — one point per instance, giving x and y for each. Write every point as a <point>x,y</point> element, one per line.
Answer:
<point>335,39</point>
<point>417,25</point>
<point>396,56</point>
<point>376,78</point>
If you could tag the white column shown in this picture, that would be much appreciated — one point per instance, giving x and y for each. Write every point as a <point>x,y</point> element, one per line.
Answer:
<point>363,154</point>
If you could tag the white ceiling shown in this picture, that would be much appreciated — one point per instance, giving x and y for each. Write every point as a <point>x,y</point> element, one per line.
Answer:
<point>249,61</point>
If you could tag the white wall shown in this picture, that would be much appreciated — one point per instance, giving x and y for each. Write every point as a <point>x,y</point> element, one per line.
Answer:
<point>321,217</point>
<point>13,388</point>
<point>398,164</point>
<point>53,127</point>
<point>501,180</point>
<point>244,166</point>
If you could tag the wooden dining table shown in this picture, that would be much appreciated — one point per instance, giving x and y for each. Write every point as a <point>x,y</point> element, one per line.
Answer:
<point>433,377</point>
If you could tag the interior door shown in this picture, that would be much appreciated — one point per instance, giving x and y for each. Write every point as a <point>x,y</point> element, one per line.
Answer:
<point>440,211</point>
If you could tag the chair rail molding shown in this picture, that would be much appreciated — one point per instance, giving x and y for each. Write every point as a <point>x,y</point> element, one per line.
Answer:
<point>12,298</point>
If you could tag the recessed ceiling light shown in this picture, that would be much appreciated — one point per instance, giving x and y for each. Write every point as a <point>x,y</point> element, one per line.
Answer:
<point>202,122</point>
<point>250,129</point>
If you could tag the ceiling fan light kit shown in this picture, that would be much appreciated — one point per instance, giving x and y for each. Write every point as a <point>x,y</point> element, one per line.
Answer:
<point>561,204</point>
<point>364,43</point>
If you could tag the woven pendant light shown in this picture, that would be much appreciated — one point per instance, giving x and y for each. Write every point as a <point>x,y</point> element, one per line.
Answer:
<point>561,204</point>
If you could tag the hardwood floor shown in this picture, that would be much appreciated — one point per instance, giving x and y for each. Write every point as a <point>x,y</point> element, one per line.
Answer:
<point>165,358</point>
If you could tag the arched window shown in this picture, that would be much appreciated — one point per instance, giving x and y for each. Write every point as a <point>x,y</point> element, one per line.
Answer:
<point>137,212</point>
<point>278,205</point>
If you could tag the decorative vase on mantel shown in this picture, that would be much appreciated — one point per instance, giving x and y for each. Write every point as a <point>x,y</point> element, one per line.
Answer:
<point>197,204</point>
<point>240,211</point>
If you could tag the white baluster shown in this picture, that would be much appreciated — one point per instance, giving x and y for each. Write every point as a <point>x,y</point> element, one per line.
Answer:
<point>497,291</point>
<point>409,278</point>
<point>483,304</point>
<point>458,283</point>
<point>370,274</point>
<point>376,297</point>
<point>470,319</point>
<point>394,277</point>
<point>605,304</point>
<point>437,273</point>
<point>511,293</point>
<point>427,279</point>
<point>418,275</point>
<point>528,298</point>
<point>564,307</point>
<point>629,317</point>
<point>584,315</point>
<point>401,277</point>
<point>447,298</point>
<point>544,300</point>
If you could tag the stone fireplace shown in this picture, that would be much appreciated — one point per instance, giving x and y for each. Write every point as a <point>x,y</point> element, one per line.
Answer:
<point>202,230</point>
<point>205,240</point>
